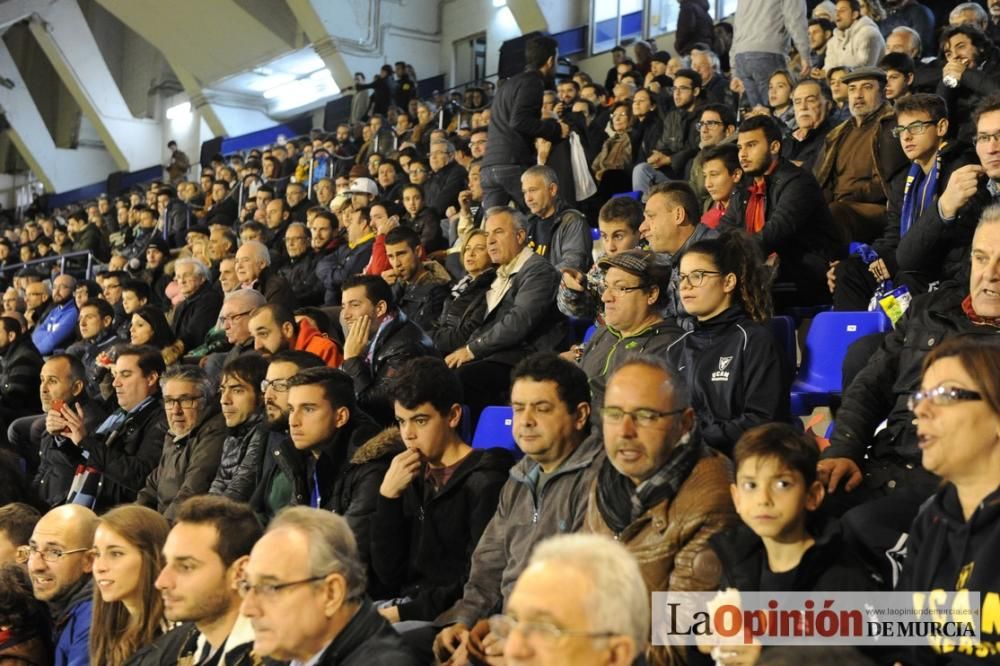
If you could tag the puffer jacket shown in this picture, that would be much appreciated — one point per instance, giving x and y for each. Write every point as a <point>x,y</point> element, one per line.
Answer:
<point>671,540</point>
<point>736,374</point>
<point>20,365</point>
<point>861,45</point>
<point>300,272</point>
<point>58,457</point>
<point>462,314</point>
<point>187,465</point>
<point>423,298</point>
<point>242,452</point>
<point>522,520</point>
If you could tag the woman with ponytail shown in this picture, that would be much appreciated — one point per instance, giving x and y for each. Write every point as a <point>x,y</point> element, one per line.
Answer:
<point>731,360</point>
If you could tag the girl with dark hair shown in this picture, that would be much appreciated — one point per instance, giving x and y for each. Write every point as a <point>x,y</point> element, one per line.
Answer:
<point>149,327</point>
<point>25,632</point>
<point>128,609</point>
<point>731,359</point>
<point>779,98</point>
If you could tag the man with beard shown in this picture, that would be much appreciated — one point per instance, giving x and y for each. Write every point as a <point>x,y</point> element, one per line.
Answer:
<point>57,327</point>
<point>280,451</point>
<point>204,555</point>
<point>274,329</point>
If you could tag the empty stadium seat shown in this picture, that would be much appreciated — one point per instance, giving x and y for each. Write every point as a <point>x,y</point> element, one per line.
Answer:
<point>494,430</point>
<point>823,352</point>
<point>589,334</point>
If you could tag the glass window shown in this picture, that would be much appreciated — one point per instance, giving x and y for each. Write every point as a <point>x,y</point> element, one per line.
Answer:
<point>662,17</point>
<point>614,21</point>
<point>726,8</point>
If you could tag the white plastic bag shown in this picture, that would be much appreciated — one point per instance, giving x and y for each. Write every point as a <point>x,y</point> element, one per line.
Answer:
<point>582,179</point>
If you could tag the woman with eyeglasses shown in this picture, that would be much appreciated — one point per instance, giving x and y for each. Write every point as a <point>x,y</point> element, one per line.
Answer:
<point>731,359</point>
<point>128,610</point>
<point>616,153</point>
<point>955,540</point>
<point>149,327</point>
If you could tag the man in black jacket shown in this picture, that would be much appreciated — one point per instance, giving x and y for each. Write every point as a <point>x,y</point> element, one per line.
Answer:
<point>516,121</point>
<point>447,179</point>
<point>199,310</point>
<point>783,207</point>
<point>679,138</point>
<point>19,366</point>
<point>126,447</point>
<point>380,339</point>
<point>419,288</point>
<point>344,629</point>
<point>300,269</point>
<point>254,270</point>
<point>97,336</point>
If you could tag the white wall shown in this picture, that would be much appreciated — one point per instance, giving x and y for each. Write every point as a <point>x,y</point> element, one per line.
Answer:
<point>461,19</point>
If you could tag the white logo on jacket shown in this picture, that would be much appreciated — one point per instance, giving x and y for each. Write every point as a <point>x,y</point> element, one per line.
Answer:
<point>722,375</point>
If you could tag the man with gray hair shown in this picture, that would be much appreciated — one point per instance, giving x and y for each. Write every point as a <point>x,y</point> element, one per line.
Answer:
<point>714,84</point>
<point>235,319</point>
<point>304,592</point>
<point>254,271</point>
<point>193,444</point>
<point>586,585</point>
<point>57,327</point>
<point>198,312</point>
<point>926,75</point>
<point>556,230</point>
<point>447,179</point>
<point>969,13</point>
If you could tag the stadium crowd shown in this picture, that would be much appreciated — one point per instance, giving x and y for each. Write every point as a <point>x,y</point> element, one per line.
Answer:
<point>236,409</point>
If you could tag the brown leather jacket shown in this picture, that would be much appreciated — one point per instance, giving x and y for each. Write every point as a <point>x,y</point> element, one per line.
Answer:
<point>670,541</point>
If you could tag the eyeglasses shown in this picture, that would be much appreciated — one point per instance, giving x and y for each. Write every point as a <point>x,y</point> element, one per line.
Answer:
<point>916,128</point>
<point>618,290</point>
<point>270,590</point>
<point>694,278</point>
<point>644,418</point>
<point>49,554</point>
<point>702,124</point>
<point>986,138</point>
<point>942,396</point>
<point>279,385</point>
<point>185,401</point>
<point>504,625</point>
<point>230,319</point>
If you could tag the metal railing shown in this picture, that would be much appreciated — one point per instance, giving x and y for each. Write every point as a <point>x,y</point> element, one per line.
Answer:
<point>50,261</point>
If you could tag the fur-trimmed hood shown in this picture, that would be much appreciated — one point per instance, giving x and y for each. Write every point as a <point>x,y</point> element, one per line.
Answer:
<point>386,443</point>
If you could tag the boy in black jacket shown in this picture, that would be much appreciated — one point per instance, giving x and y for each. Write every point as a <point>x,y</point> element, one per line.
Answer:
<point>435,499</point>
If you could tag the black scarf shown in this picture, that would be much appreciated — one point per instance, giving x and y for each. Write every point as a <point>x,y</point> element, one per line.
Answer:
<point>621,503</point>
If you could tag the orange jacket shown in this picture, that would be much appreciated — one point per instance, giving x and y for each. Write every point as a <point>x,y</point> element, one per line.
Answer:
<point>311,340</point>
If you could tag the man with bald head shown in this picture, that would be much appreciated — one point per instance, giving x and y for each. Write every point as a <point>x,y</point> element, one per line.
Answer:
<point>59,563</point>
<point>56,329</point>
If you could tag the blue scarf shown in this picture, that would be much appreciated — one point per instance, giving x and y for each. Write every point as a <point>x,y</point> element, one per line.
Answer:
<point>918,193</point>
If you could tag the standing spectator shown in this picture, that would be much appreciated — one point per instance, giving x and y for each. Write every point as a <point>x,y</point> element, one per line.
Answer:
<point>360,101</point>
<point>694,27</point>
<point>179,163</point>
<point>515,122</point>
<point>761,39</point>
<point>381,90</point>
<point>857,41</point>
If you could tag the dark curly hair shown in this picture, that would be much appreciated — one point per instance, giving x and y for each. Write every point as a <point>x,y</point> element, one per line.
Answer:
<point>736,252</point>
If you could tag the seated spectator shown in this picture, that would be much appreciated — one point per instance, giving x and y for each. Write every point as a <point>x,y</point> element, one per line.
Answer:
<point>240,395</point>
<point>899,71</point>
<point>519,317</point>
<point>276,220</point>
<point>555,230</point>
<point>616,150</point>
<point>840,110</point>
<point>300,269</point>
<point>970,59</point>
<point>469,213</point>
<point>550,400</point>
<point>235,317</point>
<point>253,268</point>
<point>435,499</point>
<point>17,522</point>
<point>56,329</point>
<point>636,288</point>
<point>274,328</point>
<point>63,381</point>
<point>781,206</point>
<point>318,548</point>
<point>38,303</point>
<point>820,33</point>
<point>811,102</point>
<point>857,41</point>
<point>19,366</point>
<point>928,255</point>
<point>97,338</point>
<point>658,474</point>
<point>580,294</point>
<point>905,40</point>
<point>197,313</point>
<point>646,126</point>
<point>60,563</point>
<point>731,360</point>
<point>721,173</point>
<point>678,141</point>
<point>423,220</point>
<point>779,100</point>
<point>379,340</point>
<point>447,177</point>
<point>150,327</point>
<point>135,294</point>
<point>349,258</point>
<point>465,306</point>
<point>956,412</point>
<point>860,158</point>
<point>126,447</point>
<point>26,636</point>
<point>419,287</point>
<point>128,611</point>
<point>715,86</point>
<point>193,444</point>
<point>716,125</point>
<point>157,257</point>
<point>204,556</point>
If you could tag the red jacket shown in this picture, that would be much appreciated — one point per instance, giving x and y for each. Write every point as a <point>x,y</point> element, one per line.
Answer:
<point>311,340</point>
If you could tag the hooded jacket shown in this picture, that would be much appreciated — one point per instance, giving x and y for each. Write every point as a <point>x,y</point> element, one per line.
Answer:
<point>423,298</point>
<point>312,340</point>
<point>71,623</point>
<point>694,26</point>
<point>861,45</point>
<point>186,466</point>
<point>525,516</point>
<point>422,541</point>
<point>736,375</point>
<point>241,454</point>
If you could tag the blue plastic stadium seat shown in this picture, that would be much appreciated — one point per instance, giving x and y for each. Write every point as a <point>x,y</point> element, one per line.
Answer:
<point>831,333</point>
<point>494,430</point>
<point>589,334</point>
<point>579,326</point>
<point>595,234</point>
<point>637,195</point>
<point>783,328</point>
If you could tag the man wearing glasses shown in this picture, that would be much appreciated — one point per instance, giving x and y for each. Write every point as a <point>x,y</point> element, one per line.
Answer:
<point>235,319</point>
<point>678,141</point>
<point>197,313</point>
<point>657,473</point>
<point>193,445</point>
<point>59,563</point>
<point>300,270</point>
<point>304,592</point>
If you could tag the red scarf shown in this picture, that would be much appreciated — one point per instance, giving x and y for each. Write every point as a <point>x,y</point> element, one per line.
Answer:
<point>755,206</point>
<point>977,319</point>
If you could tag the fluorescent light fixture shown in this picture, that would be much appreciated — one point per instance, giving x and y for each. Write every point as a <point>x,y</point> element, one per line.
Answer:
<point>305,90</point>
<point>179,111</point>
<point>499,3</point>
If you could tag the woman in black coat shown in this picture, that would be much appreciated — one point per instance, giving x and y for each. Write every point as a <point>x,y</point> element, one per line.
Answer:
<point>694,27</point>
<point>465,308</point>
